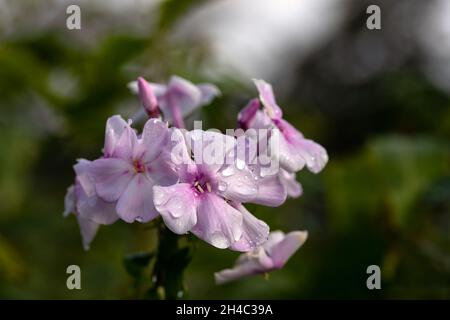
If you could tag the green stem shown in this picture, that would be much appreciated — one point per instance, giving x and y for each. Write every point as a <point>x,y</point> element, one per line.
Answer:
<point>171,261</point>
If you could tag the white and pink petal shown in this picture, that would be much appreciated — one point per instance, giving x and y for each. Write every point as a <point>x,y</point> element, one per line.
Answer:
<point>136,202</point>
<point>218,223</point>
<point>111,176</point>
<point>254,232</point>
<point>177,205</point>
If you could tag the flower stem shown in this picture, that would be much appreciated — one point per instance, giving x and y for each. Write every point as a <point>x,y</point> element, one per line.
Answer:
<point>171,261</point>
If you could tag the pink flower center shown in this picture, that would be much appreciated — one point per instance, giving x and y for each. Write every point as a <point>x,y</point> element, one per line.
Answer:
<point>202,183</point>
<point>202,187</point>
<point>139,167</point>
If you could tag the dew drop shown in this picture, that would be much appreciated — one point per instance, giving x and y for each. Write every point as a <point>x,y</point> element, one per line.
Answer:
<point>139,219</point>
<point>240,164</point>
<point>222,186</point>
<point>228,171</point>
<point>219,240</point>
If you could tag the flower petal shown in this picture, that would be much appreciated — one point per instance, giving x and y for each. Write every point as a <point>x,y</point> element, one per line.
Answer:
<point>315,155</point>
<point>296,151</point>
<point>148,98</point>
<point>111,177</point>
<point>115,126</point>
<point>267,98</point>
<point>293,187</point>
<point>136,202</point>
<point>283,250</point>
<point>210,148</point>
<point>125,144</point>
<point>93,208</point>
<point>179,95</point>
<point>88,204</point>
<point>208,91</point>
<point>184,93</point>
<point>177,205</point>
<point>248,264</point>
<point>154,139</point>
<point>218,223</point>
<point>162,171</point>
<point>248,113</point>
<point>238,272</point>
<point>261,121</point>
<point>69,201</point>
<point>82,169</point>
<point>275,237</point>
<point>288,154</point>
<point>88,230</point>
<point>237,185</point>
<point>254,232</point>
<point>158,89</point>
<point>180,154</point>
<point>271,191</point>
<point>100,211</point>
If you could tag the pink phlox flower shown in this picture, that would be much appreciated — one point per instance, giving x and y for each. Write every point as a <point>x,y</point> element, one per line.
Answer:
<point>207,199</point>
<point>132,166</point>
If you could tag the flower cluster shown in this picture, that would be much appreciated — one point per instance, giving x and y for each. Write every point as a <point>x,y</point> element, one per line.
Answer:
<point>198,181</point>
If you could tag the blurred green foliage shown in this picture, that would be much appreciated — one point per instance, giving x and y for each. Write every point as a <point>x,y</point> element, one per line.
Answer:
<point>383,198</point>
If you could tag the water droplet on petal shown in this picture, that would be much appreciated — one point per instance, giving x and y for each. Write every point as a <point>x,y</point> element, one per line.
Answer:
<point>228,171</point>
<point>222,186</point>
<point>240,164</point>
<point>219,240</point>
<point>139,219</point>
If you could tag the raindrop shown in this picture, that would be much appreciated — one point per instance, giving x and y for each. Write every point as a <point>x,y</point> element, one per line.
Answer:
<point>240,164</point>
<point>222,186</point>
<point>228,171</point>
<point>219,240</point>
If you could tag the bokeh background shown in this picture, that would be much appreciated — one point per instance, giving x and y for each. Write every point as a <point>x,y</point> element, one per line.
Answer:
<point>378,100</point>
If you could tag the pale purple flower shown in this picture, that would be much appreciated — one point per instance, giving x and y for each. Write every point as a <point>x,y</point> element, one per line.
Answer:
<point>272,255</point>
<point>180,97</point>
<point>82,200</point>
<point>132,166</point>
<point>295,151</point>
<point>206,200</point>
